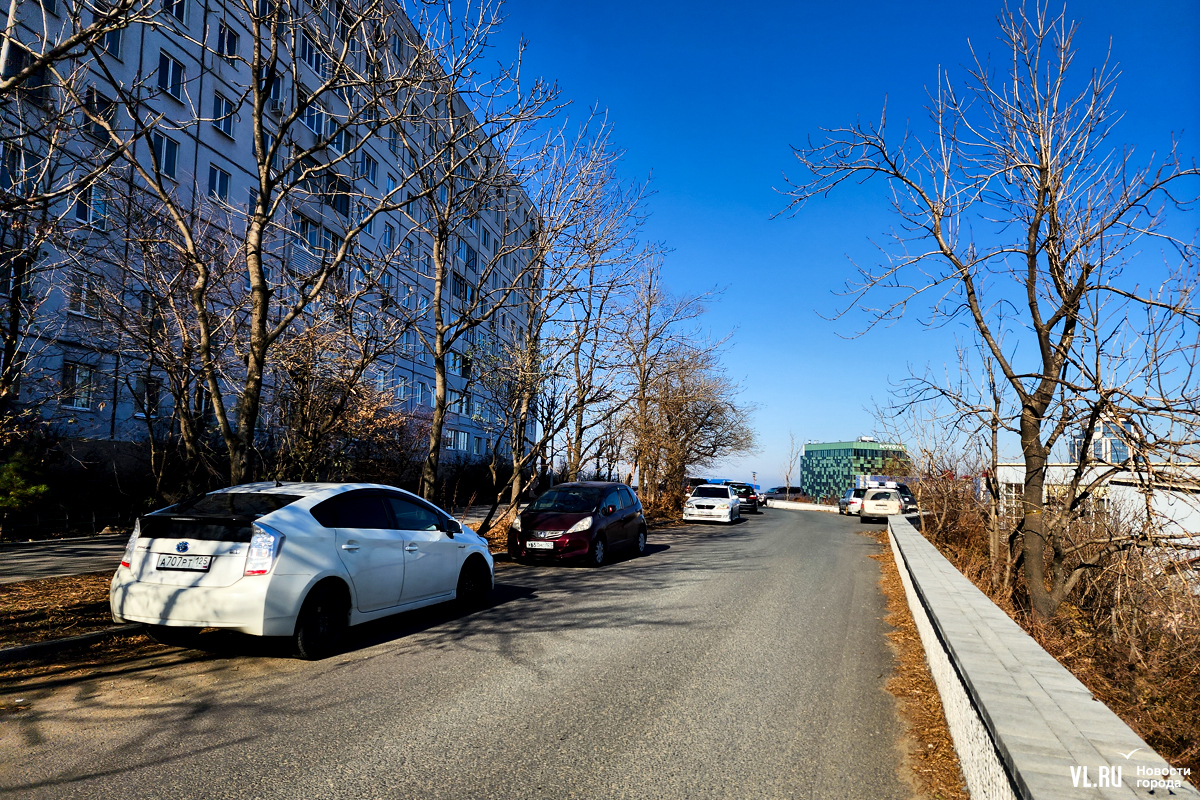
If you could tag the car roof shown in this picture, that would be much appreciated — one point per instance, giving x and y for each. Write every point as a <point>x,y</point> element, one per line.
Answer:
<point>713,486</point>
<point>302,488</point>
<point>589,484</point>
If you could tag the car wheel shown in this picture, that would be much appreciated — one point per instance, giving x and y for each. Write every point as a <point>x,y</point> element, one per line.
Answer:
<point>474,584</point>
<point>322,623</point>
<point>173,636</point>
<point>598,552</point>
<point>639,545</point>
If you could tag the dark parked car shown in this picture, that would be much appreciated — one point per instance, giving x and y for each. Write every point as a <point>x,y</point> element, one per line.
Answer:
<point>907,500</point>
<point>747,498</point>
<point>585,520</point>
<point>781,493</point>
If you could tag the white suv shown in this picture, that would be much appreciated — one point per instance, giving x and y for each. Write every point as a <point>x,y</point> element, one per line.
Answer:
<point>305,560</point>
<point>879,503</point>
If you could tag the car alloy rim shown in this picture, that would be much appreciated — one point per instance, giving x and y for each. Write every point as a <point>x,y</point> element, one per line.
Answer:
<point>599,551</point>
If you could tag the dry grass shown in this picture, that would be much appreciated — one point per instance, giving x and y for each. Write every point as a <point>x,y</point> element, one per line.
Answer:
<point>34,611</point>
<point>934,769</point>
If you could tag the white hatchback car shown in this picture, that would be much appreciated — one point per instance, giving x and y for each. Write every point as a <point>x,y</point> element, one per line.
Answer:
<point>305,560</point>
<point>712,501</point>
<point>879,503</point>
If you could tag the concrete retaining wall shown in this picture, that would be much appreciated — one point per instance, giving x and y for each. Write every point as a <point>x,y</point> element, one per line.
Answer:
<point>1023,726</point>
<point>792,504</point>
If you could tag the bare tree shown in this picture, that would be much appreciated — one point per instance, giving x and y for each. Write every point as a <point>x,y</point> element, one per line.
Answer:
<point>1080,342</point>
<point>790,462</point>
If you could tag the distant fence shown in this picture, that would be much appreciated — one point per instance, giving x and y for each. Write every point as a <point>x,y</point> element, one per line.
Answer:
<point>1022,724</point>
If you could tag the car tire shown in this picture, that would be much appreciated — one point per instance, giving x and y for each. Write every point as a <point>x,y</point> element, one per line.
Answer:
<point>172,635</point>
<point>322,623</point>
<point>639,544</point>
<point>598,552</point>
<point>474,584</point>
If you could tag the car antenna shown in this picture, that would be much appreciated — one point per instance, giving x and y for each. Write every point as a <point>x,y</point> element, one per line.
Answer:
<point>278,483</point>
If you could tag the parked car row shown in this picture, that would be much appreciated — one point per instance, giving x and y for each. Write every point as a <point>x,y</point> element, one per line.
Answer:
<point>877,501</point>
<point>310,560</point>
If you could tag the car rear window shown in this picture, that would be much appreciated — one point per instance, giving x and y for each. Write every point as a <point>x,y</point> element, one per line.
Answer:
<point>859,492</point>
<point>711,491</point>
<point>883,496</point>
<point>231,504</point>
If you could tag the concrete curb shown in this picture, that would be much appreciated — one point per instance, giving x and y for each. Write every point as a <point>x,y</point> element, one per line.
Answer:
<point>50,646</point>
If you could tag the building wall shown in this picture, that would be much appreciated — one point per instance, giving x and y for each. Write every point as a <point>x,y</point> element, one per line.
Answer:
<point>828,469</point>
<point>67,342</point>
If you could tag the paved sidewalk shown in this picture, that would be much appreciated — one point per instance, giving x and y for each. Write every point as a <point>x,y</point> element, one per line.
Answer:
<point>26,561</point>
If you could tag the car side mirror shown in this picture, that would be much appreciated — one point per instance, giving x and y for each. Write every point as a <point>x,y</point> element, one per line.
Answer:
<point>452,527</point>
<point>608,510</point>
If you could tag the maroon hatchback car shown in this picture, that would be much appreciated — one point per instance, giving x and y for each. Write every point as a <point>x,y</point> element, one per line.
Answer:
<point>585,520</point>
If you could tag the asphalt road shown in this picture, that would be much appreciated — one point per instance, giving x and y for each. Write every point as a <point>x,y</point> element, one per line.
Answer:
<point>743,661</point>
<point>24,561</point>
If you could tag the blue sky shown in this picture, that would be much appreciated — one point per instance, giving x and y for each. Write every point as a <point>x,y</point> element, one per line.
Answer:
<point>708,96</point>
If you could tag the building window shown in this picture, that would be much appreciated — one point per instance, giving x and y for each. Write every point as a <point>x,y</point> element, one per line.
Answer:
<point>402,389</point>
<point>389,236</point>
<point>339,137</point>
<point>370,169</point>
<point>222,114</point>
<point>83,297</point>
<point>422,393</point>
<point>91,209</point>
<point>77,385</point>
<point>460,440</point>
<point>101,114</point>
<point>175,8</point>
<point>310,54</point>
<point>146,393</point>
<point>170,75</point>
<point>337,195</point>
<point>227,42</point>
<point>487,239</point>
<point>110,41</point>
<point>393,139</point>
<point>310,232</point>
<point>218,183</point>
<point>166,150</point>
<point>314,118</point>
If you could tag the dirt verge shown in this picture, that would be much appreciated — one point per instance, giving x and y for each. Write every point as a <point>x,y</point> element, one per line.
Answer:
<point>932,764</point>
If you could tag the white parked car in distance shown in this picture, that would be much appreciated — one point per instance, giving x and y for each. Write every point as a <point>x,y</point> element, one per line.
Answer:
<point>880,503</point>
<point>304,560</point>
<point>712,501</point>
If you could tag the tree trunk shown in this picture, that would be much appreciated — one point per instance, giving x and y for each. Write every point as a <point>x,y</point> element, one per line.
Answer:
<point>1034,524</point>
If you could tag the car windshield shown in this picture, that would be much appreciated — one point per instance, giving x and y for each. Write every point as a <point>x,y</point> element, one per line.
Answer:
<point>232,504</point>
<point>575,500</point>
<point>711,491</point>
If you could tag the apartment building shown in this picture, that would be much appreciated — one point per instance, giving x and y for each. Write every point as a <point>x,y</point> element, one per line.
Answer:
<point>181,91</point>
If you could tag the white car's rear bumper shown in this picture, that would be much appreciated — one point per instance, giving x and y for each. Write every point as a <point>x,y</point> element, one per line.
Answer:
<point>244,607</point>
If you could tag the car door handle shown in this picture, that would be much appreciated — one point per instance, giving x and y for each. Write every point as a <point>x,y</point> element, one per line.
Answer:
<point>411,548</point>
<point>350,547</point>
<point>462,546</point>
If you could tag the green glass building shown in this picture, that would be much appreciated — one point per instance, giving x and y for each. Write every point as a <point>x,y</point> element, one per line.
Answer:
<point>828,469</point>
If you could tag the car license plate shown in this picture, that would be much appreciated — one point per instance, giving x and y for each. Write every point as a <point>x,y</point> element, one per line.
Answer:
<point>184,563</point>
<point>540,545</point>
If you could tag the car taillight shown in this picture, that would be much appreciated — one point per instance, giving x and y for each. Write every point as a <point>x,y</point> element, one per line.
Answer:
<point>264,548</point>
<point>127,557</point>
